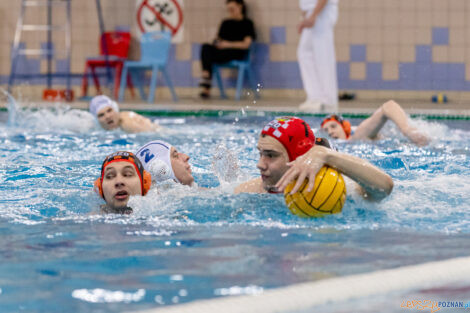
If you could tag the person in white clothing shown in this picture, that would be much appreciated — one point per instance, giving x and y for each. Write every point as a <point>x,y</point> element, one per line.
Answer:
<point>316,55</point>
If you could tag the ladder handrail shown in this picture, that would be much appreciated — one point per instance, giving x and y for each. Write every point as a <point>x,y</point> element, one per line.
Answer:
<point>105,45</point>
<point>37,3</point>
<point>34,27</point>
<point>49,51</point>
<point>16,43</point>
<point>68,41</point>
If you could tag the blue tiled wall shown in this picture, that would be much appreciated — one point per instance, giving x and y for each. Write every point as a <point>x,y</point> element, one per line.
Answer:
<point>422,74</point>
<point>277,35</point>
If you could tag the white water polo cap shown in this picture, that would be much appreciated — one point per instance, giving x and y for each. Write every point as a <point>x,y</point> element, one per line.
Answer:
<point>102,101</point>
<point>155,156</point>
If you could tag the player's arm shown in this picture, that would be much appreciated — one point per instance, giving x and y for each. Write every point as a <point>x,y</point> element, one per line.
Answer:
<point>243,44</point>
<point>132,122</point>
<point>390,110</point>
<point>309,21</point>
<point>252,186</point>
<point>375,183</point>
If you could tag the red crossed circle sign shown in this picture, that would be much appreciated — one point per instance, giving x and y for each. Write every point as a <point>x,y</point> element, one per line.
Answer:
<point>167,13</point>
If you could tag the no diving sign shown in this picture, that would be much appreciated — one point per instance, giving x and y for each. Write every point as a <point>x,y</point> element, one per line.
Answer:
<point>160,15</point>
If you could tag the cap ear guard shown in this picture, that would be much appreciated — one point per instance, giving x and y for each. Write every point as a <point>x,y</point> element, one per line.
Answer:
<point>346,127</point>
<point>146,184</point>
<point>98,188</point>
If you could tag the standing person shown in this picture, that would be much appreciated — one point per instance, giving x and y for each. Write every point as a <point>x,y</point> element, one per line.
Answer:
<point>316,54</point>
<point>236,33</point>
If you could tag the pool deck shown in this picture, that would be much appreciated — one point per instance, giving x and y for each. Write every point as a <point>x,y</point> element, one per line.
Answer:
<point>355,107</point>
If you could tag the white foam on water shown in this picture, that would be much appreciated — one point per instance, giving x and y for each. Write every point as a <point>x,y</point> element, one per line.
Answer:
<point>99,295</point>
<point>58,119</point>
<point>440,198</point>
<point>157,233</point>
<point>437,131</point>
<point>237,290</point>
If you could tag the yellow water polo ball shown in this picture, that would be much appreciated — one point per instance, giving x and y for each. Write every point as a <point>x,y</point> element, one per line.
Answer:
<point>327,196</point>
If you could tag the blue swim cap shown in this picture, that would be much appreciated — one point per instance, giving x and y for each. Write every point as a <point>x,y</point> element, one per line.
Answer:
<point>155,156</point>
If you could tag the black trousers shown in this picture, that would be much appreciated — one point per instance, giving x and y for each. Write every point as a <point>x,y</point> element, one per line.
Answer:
<point>210,55</point>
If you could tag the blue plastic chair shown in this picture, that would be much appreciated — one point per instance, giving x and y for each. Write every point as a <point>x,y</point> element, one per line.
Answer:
<point>244,67</point>
<point>154,50</point>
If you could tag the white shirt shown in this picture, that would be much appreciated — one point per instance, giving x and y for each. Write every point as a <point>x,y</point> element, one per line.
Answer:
<point>307,5</point>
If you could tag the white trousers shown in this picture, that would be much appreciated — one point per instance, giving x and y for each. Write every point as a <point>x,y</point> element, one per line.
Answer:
<point>317,59</point>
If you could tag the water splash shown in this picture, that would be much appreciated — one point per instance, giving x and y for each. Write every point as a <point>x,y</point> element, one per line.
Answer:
<point>59,118</point>
<point>12,107</point>
<point>225,164</point>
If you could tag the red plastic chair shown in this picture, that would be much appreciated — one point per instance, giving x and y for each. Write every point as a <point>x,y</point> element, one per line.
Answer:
<point>114,49</point>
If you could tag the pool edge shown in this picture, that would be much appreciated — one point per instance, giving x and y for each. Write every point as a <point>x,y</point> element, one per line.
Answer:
<point>298,297</point>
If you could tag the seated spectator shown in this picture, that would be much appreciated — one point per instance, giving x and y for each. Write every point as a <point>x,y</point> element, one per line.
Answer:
<point>232,43</point>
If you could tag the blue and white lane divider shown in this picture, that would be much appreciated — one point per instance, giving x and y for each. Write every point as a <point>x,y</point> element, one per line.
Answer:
<point>301,297</point>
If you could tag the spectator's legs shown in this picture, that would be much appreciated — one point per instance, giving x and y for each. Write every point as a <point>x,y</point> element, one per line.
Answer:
<point>317,61</point>
<point>211,55</point>
<point>207,58</point>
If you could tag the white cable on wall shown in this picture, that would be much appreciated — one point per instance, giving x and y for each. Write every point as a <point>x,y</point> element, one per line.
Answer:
<point>308,295</point>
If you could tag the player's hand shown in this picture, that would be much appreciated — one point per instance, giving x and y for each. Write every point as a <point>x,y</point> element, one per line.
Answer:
<point>305,166</point>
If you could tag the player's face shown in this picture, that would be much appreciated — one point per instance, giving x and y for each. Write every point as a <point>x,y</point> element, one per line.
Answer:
<point>334,130</point>
<point>120,181</point>
<point>108,118</point>
<point>181,167</point>
<point>272,162</point>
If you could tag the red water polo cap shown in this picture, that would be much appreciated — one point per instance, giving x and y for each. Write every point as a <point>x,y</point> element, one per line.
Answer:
<point>293,133</point>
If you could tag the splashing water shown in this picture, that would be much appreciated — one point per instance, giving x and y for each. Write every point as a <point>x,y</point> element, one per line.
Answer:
<point>59,118</point>
<point>12,108</point>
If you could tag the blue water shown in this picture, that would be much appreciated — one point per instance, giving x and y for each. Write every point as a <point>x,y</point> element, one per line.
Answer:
<point>183,244</point>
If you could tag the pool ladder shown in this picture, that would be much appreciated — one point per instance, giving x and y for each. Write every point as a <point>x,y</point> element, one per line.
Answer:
<point>49,52</point>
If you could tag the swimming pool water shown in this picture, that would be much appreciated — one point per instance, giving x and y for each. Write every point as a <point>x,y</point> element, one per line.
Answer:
<point>183,244</point>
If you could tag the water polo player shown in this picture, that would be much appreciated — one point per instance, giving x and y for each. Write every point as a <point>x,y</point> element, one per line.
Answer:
<point>122,176</point>
<point>109,117</point>
<point>338,128</point>
<point>288,150</point>
<point>163,162</point>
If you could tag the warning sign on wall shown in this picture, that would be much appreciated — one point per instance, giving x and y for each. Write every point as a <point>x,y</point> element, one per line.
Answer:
<point>160,15</point>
